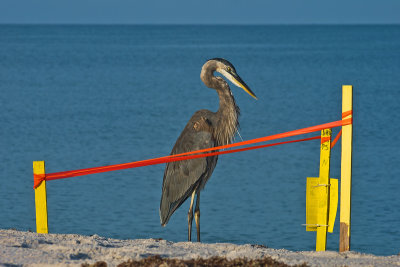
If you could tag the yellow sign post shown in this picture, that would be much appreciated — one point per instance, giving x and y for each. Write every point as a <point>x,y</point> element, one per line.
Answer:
<point>322,196</point>
<point>40,200</point>
<point>345,183</point>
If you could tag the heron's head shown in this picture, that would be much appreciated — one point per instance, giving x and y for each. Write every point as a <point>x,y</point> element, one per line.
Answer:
<point>224,67</point>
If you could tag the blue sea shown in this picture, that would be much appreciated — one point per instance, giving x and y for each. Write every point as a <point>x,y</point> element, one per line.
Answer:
<point>84,96</point>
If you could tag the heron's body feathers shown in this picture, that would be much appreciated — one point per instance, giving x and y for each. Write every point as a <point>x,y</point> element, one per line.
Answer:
<point>181,178</point>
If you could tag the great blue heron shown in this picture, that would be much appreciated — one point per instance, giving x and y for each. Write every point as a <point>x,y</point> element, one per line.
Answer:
<point>204,130</point>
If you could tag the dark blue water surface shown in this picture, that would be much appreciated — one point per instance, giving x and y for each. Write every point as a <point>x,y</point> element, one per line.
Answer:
<point>86,96</point>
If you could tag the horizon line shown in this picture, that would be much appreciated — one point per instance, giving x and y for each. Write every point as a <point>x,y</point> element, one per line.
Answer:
<point>195,24</point>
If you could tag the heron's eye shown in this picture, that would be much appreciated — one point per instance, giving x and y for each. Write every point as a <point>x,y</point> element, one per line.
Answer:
<point>228,69</point>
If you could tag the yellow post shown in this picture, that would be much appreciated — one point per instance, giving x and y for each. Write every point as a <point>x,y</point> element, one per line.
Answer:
<point>345,185</point>
<point>40,200</point>
<point>323,189</point>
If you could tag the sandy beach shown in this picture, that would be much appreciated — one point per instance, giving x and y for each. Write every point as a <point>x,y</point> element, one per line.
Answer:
<point>18,248</point>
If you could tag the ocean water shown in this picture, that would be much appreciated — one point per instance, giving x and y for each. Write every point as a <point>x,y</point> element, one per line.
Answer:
<point>87,96</point>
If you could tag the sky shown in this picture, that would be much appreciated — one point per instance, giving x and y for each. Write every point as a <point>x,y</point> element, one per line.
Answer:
<point>200,11</point>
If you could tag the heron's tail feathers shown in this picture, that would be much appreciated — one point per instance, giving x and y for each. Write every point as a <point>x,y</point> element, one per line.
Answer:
<point>168,206</point>
<point>165,211</point>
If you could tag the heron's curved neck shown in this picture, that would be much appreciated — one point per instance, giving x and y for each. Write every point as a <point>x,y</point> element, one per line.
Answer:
<point>227,122</point>
<point>228,117</point>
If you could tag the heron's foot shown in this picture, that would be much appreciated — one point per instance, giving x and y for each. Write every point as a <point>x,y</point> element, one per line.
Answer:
<point>197,218</point>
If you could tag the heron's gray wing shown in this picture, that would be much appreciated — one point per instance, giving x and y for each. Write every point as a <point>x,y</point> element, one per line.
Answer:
<point>182,177</point>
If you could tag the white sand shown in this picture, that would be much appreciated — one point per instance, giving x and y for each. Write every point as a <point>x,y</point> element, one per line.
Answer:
<point>31,249</point>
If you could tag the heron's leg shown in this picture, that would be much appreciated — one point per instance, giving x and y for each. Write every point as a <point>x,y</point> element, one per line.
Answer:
<point>190,216</point>
<point>197,216</point>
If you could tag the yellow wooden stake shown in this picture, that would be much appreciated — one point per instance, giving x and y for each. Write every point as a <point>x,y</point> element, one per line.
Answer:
<point>40,200</point>
<point>323,186</point>
<point>345,185</point>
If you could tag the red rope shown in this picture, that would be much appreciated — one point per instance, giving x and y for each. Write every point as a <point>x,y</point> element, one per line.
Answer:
<point>347,113</point>
<point>325,139</point>
<point>336,138</point>
<point>344,115</point>
<point>38,178</point>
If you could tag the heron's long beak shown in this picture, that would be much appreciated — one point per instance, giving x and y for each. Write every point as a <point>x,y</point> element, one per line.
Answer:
<point>240,83</point>
<point>236,80</point>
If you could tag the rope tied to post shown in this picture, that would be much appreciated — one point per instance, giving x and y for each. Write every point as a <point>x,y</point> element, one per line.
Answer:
<point>220,150</point>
